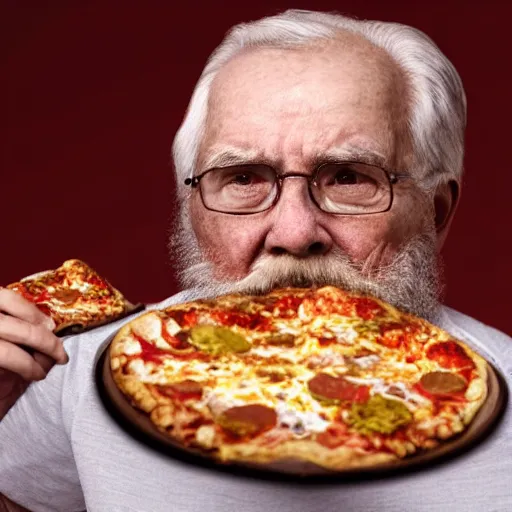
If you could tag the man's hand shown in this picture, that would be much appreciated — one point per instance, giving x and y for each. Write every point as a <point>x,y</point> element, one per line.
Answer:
<point>28,347</point>
<point>6,505</point>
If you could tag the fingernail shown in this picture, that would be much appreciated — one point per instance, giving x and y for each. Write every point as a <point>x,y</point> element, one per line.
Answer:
<point>50,323</point>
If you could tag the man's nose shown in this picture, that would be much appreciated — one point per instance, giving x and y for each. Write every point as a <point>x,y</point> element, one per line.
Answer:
<point>295,228</point>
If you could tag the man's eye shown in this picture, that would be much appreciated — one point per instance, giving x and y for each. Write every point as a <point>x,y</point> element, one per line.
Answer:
<point>346,178</point>
<point>242,179</point>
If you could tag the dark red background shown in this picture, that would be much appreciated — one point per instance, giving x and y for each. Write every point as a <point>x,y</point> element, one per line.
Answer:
<point>96,91</point>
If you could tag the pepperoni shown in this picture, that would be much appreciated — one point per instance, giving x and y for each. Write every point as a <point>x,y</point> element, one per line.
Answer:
<point>367,308</point>
<point>248,420</point>
<point>67,295</point>
<point>442,383</point>
<point>438,399</point>
<point>328,387</point>
<point>187,386</point>
<point>450,354</point>
<point>184,390</point>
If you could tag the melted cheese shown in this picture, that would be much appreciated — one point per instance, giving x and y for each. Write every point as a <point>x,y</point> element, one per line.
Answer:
<point>172,326</point>
<point>279,352</point>
<point>300,423</point>
<point>380,387</point>
<point>131,346</point>
<point>366,361</point>
<point>149,327</point>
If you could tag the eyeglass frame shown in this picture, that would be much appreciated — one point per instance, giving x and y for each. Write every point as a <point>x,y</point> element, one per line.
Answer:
<point>392,178</point>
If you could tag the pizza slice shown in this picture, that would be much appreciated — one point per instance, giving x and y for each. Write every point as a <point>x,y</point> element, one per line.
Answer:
<point>75,297</point>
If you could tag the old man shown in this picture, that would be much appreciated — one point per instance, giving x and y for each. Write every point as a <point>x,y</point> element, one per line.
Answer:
<point>286,106</point>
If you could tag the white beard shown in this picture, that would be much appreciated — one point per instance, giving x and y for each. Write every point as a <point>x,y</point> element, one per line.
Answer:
<point>412,282</point>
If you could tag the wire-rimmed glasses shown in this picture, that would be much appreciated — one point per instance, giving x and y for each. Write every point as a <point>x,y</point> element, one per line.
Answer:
<point>340,188</point>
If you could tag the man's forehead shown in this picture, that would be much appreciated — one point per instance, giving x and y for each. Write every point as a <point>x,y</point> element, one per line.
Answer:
<point>346,55</point>
<point>223,155</point>
<point>326,96</point>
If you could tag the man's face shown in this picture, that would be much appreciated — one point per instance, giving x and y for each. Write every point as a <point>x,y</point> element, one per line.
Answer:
<point>294,109</point>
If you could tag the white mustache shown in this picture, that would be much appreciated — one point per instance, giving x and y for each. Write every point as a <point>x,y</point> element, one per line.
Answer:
<point>269,272</point>
<point>410,282</point>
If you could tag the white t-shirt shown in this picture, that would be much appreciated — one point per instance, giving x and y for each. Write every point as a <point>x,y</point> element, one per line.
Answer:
<point>61,451</point>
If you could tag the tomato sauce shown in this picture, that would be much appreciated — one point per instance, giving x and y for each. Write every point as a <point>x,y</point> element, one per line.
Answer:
<point>367,308</point>
<point>333,436</point>
<point>149,351</point>
<point>450,355</point>
<point>184,318</point>
<point>287,307</point>
<point>254,322</point>
<point>96,281</point>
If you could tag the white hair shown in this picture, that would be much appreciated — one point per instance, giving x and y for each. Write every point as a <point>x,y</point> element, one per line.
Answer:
<point>437,113</point>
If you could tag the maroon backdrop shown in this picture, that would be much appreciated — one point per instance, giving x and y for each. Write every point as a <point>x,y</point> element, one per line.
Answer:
<point>96,91</point>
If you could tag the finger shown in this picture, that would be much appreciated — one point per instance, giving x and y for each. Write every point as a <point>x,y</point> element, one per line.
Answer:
<point>14,304</point>
<point>17,360</point>
<point>12,386</point>
<point>44,361</point>
<point>37,337</point>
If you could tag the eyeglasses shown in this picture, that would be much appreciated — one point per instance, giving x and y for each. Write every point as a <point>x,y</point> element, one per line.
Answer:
<point>341,188</point>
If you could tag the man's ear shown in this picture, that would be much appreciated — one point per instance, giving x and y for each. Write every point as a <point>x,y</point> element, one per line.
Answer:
<point>446,199</point>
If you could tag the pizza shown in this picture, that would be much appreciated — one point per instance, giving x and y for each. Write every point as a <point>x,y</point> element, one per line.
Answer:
<point>74,296</point>
<point>309,378</point>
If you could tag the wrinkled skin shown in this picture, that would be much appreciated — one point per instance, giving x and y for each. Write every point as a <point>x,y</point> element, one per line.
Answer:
<point>291,108</point>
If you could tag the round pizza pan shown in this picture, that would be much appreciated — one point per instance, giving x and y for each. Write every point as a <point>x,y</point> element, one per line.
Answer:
<point>139,426</point>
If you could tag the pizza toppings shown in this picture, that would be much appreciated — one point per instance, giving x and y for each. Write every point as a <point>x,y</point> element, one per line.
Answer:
<point>248,420</point>
<point>367,308</point>
<point>300,423</point>
<point>450,354</point>
<point>67,295</point>
<point>319,375</point>
<point>74,296</point>
<point>185,389</point>
<point>366,361</point>
<point>442,383</point>
<point>379,414</point>
<point>217,340</point>
<point>335,389</point>
<point>287,340</point>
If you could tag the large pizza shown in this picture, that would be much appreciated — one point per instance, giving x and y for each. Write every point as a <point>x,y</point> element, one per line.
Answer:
<point>319,376</point>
